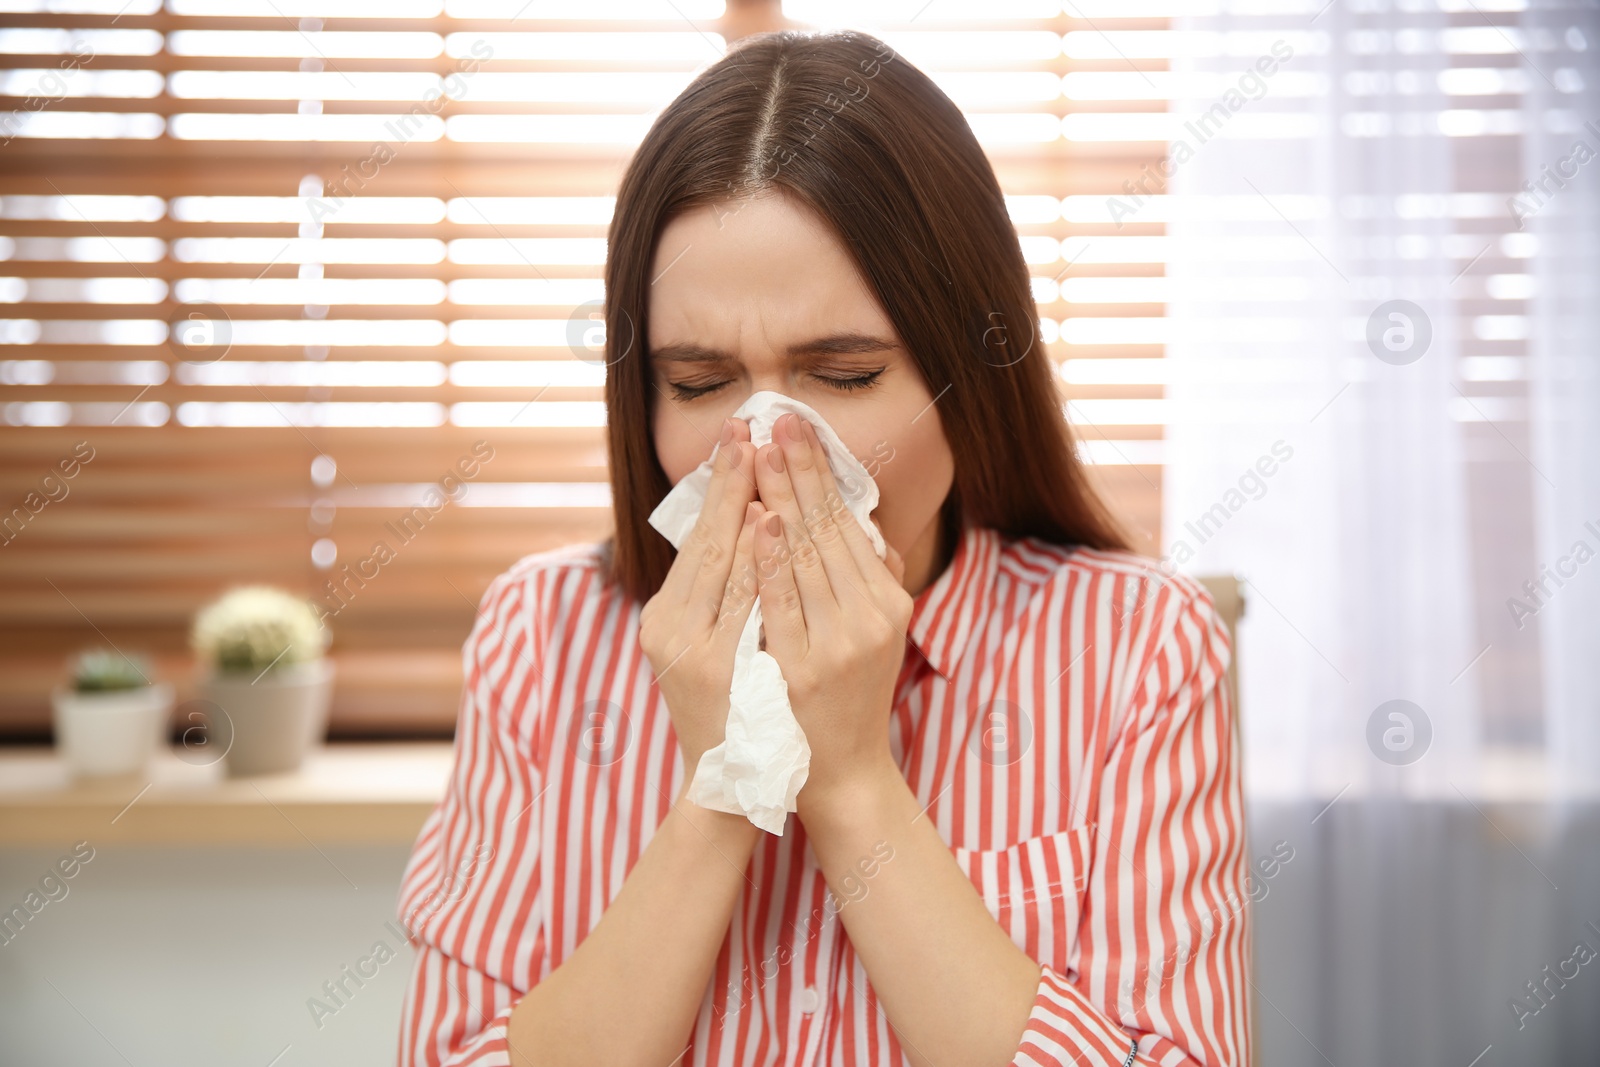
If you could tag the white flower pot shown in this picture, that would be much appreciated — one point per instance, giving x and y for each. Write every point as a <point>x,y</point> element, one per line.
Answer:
<point>113,732</point>
<point>266,725</point>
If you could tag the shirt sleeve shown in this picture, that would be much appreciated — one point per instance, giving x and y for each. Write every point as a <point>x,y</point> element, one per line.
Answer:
<point>1163,940</point>
<point>471,887</point>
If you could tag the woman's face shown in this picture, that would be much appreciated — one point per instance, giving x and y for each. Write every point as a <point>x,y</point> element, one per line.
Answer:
<point>759,294</point>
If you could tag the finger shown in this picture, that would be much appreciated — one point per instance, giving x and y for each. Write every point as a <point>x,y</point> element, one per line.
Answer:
<point>805,557</point>
<point>686,562</point>
<point>741,470</point>
<point>838,496</point>
<point>739,597</point>
<point>710,544</point>
<point>824,515</point>
<point>741,432</point>
<point>782,613</point>
<point>718,533</point>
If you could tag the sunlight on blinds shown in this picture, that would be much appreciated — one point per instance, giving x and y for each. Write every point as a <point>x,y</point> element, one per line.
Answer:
<point>242,238</point>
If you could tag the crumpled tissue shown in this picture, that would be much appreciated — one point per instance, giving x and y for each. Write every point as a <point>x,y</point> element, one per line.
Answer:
<point>762,763</point>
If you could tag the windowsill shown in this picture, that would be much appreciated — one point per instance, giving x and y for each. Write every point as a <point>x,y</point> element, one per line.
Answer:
<point>413,690</point>
<point>1499,776</point>
<point>361,793</point>
<point>367,794</point>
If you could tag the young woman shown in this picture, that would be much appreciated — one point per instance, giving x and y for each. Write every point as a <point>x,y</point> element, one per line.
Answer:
<point>1021,839</point>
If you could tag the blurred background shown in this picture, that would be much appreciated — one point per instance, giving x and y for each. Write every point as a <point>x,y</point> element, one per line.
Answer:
<point>307,295</point>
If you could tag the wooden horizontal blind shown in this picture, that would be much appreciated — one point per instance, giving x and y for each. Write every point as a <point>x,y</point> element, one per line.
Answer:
<point>274,274</point>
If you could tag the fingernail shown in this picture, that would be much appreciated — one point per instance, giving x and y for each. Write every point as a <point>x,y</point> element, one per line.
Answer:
<point>774,524</point>
<point>750,512</point>
<point>727,431</point>
<point>775,459</point>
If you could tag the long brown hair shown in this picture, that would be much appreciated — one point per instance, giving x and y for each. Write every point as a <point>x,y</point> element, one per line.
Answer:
<point>869,142</point>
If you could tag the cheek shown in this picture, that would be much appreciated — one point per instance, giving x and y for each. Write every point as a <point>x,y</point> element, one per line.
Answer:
<point>672,452</point>
<point>914,470</point>
<point>680,444</point>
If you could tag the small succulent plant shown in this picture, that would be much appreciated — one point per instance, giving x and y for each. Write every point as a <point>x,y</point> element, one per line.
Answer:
<point>256,627</point>
<point>103,671</point>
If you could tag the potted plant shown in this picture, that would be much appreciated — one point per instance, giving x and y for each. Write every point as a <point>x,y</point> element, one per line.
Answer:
<point>111,717</point>
<point>262,666</point>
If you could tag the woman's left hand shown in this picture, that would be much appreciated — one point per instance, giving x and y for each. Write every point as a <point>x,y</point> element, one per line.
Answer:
<point>835,614</point>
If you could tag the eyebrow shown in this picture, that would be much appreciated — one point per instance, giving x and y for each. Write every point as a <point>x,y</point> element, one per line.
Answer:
<point>836,344</point>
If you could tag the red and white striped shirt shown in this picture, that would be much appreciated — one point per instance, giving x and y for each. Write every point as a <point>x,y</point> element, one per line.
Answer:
<point>1105,832</point>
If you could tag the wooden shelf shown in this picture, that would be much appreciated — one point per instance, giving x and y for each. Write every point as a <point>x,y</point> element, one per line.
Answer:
<point>367,794</point>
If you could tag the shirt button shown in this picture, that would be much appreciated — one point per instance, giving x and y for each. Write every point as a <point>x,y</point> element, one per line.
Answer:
<point>809,1001</point>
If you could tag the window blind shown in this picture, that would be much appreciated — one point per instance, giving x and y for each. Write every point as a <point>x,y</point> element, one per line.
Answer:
<point>308,293</point>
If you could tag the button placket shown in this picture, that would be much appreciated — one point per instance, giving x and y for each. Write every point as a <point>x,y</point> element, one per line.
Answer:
<point>813,985</point>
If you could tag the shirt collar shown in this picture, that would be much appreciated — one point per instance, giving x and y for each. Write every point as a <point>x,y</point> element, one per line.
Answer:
<point>945,615</point>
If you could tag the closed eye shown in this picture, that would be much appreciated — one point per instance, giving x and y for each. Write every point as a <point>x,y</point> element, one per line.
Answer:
<point>685,391</point>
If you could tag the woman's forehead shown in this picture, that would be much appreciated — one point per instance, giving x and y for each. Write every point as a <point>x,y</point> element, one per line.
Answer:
<point>765,275</point>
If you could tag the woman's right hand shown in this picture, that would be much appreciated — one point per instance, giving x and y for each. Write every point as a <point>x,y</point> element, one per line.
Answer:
<point>690,629</point>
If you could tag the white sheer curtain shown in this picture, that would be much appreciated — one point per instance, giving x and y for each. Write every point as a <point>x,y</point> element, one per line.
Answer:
<point>1563,144</point>
<point>1385,417</point>
<point>1355,549</point>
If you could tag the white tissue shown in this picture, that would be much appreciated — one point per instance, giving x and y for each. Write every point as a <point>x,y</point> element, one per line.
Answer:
<point>764,759</point>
